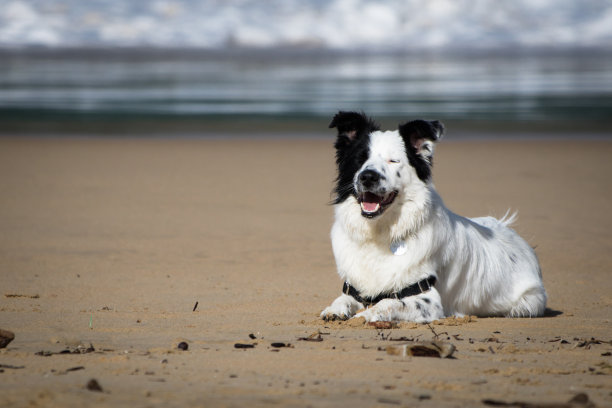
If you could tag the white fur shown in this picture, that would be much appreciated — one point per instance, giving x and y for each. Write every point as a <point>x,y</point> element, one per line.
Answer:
<point>482,266</point>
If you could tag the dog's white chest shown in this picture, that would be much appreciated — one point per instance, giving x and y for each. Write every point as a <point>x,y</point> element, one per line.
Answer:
<point>375,268</point>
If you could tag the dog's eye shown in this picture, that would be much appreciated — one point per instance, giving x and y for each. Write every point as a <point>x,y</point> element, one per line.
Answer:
<point>393,161</point>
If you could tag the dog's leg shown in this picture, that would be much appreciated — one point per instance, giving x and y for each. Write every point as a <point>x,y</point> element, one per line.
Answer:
<point>531,304</point>
<point>422,308</point>
<point>342,308</point>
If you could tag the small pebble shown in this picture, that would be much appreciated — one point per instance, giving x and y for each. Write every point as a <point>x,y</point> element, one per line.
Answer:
<point>183,346</point>
<point>93,385</point>
<point>6,337</point>
<point>243,346</point>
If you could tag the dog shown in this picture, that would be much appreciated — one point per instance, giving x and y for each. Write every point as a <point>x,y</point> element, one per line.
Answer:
<point>403,256</point>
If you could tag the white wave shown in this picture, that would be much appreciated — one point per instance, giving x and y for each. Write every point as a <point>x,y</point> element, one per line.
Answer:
<point>338,24</point>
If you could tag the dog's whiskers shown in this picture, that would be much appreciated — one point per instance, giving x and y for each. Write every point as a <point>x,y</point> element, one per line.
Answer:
<point>345,188</point>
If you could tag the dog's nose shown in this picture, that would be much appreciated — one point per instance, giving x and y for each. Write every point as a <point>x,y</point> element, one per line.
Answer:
<point>369,177</point>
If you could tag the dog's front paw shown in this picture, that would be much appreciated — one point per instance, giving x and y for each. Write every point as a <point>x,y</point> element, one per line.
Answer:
<point>383,311</point>
<point>341,309</point>
<point>329,316</point>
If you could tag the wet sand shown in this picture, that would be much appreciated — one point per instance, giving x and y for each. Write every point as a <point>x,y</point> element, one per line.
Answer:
<point>106,246</point>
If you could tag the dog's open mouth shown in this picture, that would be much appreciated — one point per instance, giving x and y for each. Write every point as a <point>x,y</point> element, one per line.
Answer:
<point>373,205</point>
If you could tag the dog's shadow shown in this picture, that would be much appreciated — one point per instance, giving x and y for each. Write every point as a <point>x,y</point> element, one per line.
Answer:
<point>552,313</point>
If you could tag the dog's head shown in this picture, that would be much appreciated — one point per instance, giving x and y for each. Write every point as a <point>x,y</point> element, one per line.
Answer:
<point>375,166</point>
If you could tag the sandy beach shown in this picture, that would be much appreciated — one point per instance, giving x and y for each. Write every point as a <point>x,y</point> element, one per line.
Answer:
<point>113,251</point>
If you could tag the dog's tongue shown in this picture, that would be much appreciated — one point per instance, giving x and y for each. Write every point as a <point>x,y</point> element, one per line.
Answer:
<point>370,202</point>
<point>369,207</point>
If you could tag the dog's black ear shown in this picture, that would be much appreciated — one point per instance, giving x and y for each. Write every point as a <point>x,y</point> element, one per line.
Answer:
<point>420,136</point>
<point>352,124</point>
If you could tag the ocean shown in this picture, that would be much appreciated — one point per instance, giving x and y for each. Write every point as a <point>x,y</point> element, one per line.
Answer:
<point>208,61</point>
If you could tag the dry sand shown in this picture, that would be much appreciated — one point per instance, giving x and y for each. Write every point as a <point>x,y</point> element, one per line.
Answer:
<point>111,243</point>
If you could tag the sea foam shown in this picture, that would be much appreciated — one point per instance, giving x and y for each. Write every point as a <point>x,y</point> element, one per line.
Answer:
<point>391,25</point>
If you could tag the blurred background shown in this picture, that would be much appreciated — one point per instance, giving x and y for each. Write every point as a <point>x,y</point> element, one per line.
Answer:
<point>284,67</point>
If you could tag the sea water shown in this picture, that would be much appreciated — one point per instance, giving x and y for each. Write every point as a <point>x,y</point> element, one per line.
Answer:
<point>146,82</point>
<point>527,60</point>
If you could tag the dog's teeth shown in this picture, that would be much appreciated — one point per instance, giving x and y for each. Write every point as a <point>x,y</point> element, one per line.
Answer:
<point>370,207</point>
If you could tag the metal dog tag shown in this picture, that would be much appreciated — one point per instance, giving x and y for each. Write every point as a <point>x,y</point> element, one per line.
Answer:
<point>399,248</point>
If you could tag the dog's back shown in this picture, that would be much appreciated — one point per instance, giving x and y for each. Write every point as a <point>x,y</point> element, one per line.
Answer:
<point>491,271</point>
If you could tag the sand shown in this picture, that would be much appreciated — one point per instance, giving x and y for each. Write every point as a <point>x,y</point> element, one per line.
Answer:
<point>107,245</point>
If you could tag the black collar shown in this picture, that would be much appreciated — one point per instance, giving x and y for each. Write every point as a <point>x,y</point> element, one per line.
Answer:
<point>415,289</point>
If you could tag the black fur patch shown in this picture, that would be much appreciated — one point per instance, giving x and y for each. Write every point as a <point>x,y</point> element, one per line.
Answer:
<point>352,149</point>
<point>415,130</point>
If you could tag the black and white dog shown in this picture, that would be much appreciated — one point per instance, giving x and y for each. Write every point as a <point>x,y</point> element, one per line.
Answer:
<point>401,253</point>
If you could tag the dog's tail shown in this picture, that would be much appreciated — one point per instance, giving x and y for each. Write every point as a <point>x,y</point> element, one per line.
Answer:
<point>509,218</point>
